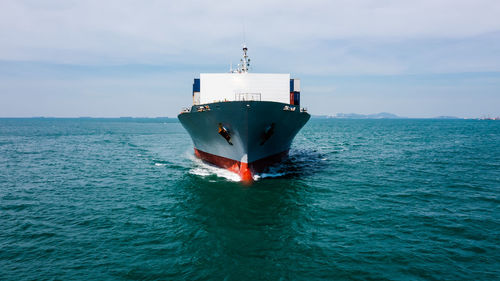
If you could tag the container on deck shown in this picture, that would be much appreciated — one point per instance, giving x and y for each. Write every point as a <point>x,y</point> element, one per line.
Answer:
<point>294,85</point>
<point>295,98</point>
<point>196,85</point>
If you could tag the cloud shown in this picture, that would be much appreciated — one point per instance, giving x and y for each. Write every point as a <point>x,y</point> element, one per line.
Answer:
<point>81,57</point>
<point>97,32</point>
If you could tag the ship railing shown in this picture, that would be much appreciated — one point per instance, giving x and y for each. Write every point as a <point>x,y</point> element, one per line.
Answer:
<point>247,97</point>
<point>303,109</point>
<point>186,110</point>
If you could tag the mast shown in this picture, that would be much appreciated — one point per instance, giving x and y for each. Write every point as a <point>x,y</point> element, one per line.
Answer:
<point>244,64</point>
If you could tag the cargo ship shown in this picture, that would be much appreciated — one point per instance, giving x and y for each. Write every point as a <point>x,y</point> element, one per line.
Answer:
<point>244,122</point>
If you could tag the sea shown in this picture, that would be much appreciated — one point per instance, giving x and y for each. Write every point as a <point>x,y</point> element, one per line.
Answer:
<point>125,199</point>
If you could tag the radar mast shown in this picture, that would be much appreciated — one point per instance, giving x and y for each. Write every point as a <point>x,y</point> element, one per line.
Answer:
<point>244,64</point>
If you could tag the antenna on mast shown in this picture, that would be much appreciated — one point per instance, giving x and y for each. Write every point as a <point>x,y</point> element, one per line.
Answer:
<point>244,64</point>
<point>244,33</point>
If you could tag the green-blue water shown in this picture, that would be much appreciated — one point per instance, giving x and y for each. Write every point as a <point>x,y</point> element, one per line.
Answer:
<point>98,199</point>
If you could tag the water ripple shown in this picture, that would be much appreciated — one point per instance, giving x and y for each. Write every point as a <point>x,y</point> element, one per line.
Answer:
<point>357,199</point>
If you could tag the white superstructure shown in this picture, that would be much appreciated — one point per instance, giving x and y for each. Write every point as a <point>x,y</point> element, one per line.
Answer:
<point>215,87</point>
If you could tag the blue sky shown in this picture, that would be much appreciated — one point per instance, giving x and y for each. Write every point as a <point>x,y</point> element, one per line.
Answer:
<point>115,58</point>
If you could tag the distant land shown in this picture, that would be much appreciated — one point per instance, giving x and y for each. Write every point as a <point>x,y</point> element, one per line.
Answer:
<point>447,117</point>
<point>381,115</point>
<point>90,118</point>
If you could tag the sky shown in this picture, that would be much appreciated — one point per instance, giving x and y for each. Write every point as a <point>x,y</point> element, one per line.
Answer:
<point>426,58</point>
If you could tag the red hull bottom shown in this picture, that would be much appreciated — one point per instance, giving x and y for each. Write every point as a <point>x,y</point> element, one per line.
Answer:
<point>245,170</point>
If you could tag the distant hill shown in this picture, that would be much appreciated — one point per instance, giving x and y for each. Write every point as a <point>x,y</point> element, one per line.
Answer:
<point>446,117</point>
<point>320,116</point>
<point>381,115</point>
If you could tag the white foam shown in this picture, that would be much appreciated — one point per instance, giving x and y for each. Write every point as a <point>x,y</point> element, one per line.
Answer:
<point>204,170</point>
<point>268,175</point>
<point>160,164</point>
